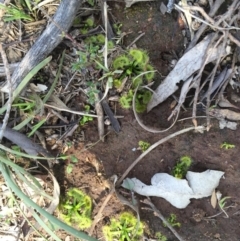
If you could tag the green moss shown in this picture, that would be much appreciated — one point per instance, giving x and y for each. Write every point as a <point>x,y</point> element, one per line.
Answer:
<point>76,209</point>
<point>137,55</point>
<point>227,146</point>
<point>121,62</point>
<point>126,100</point>
<point>149,76</point>
<point>137,82</point>
<point>145,58</point>
<point>172,220</point>
<point>146,97</point>
<point>125,228</point>
<point>117,83</point>
<point>110,45</point>
<point>143,145</point>
<point>181,168</point>
<point>160,237</point>
<point>142,99</point>
<point>140,107</point>
<point>101,38</point>
<point>89,22</point>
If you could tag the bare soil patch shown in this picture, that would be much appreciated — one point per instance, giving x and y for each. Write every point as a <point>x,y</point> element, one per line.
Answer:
<point>98,161</point>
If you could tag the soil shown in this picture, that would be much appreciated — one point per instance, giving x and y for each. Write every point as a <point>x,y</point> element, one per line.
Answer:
<point>104,159</point>
<point>98,161</point>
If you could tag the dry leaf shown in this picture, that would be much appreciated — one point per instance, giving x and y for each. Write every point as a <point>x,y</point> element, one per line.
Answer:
<point>214,199</point>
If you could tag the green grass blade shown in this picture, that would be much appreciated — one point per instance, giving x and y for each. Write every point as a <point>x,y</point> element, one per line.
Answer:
<point>33,205</point>
<point>24,155</point>
<point>26,80</point>
<point>37,126</point>
<point>55,80</point>
<point>23,123</point>
<point>45,226</point>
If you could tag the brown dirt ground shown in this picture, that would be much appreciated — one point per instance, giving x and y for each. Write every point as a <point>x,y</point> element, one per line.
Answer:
<point>101,161</point>
<point>98,163</point>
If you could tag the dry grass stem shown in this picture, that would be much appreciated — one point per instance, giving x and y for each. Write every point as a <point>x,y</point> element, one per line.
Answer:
<point>9,84</point>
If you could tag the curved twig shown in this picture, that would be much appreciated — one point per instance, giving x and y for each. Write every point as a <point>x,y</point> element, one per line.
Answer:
<point>146,127</point>
<point>198,128</point>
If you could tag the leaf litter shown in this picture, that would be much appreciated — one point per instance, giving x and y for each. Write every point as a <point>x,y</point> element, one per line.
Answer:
<point>211,50</point>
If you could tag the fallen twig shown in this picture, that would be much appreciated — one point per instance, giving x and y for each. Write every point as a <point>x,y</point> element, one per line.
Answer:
<point>152,130</point>
<point>9,84</point>
<point>99,111</point>
<point>158,214</point>
<point>198,128</point>
<point>212,23</point>
<point>98,217</point>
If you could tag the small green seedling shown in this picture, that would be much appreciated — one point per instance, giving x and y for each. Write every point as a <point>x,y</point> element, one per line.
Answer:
<point>76,209</point>
<point>25,105</point>
<point>141,101</point>
<point>172,220</point>
<point>85,118</point>
<point>13,12</point>
<point>222,204</point>
<point>160,237</point>
<point>73,161</point>
<point>227,146</point>
<point>181,168</point>
<point>126,100</point>
<point>125,228</point>
<point>143,145</point>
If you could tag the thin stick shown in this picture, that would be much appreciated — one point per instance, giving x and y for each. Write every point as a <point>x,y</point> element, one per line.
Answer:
<point>228,14</point>
<point>144,126</point>
<point>135,40</point>
<point>199,128</point>
<point>98,217</point>
<point>214,25</point>
<point>198,79</point>
<point>220,95</point>
<point>158,214</point>
<point>99,214</point>
<point>99,111</point>
<point>203,27</point>
<point>9,81</point>
<point>234,40</point>
<point>212,78</point>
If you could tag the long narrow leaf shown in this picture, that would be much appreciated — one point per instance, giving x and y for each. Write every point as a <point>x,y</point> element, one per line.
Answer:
<point>26,80</point>
<point>23,123</point>
<point>45,227</point>
<point>33,205</point>
<point>55,80</point>
<point>25,155</point>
